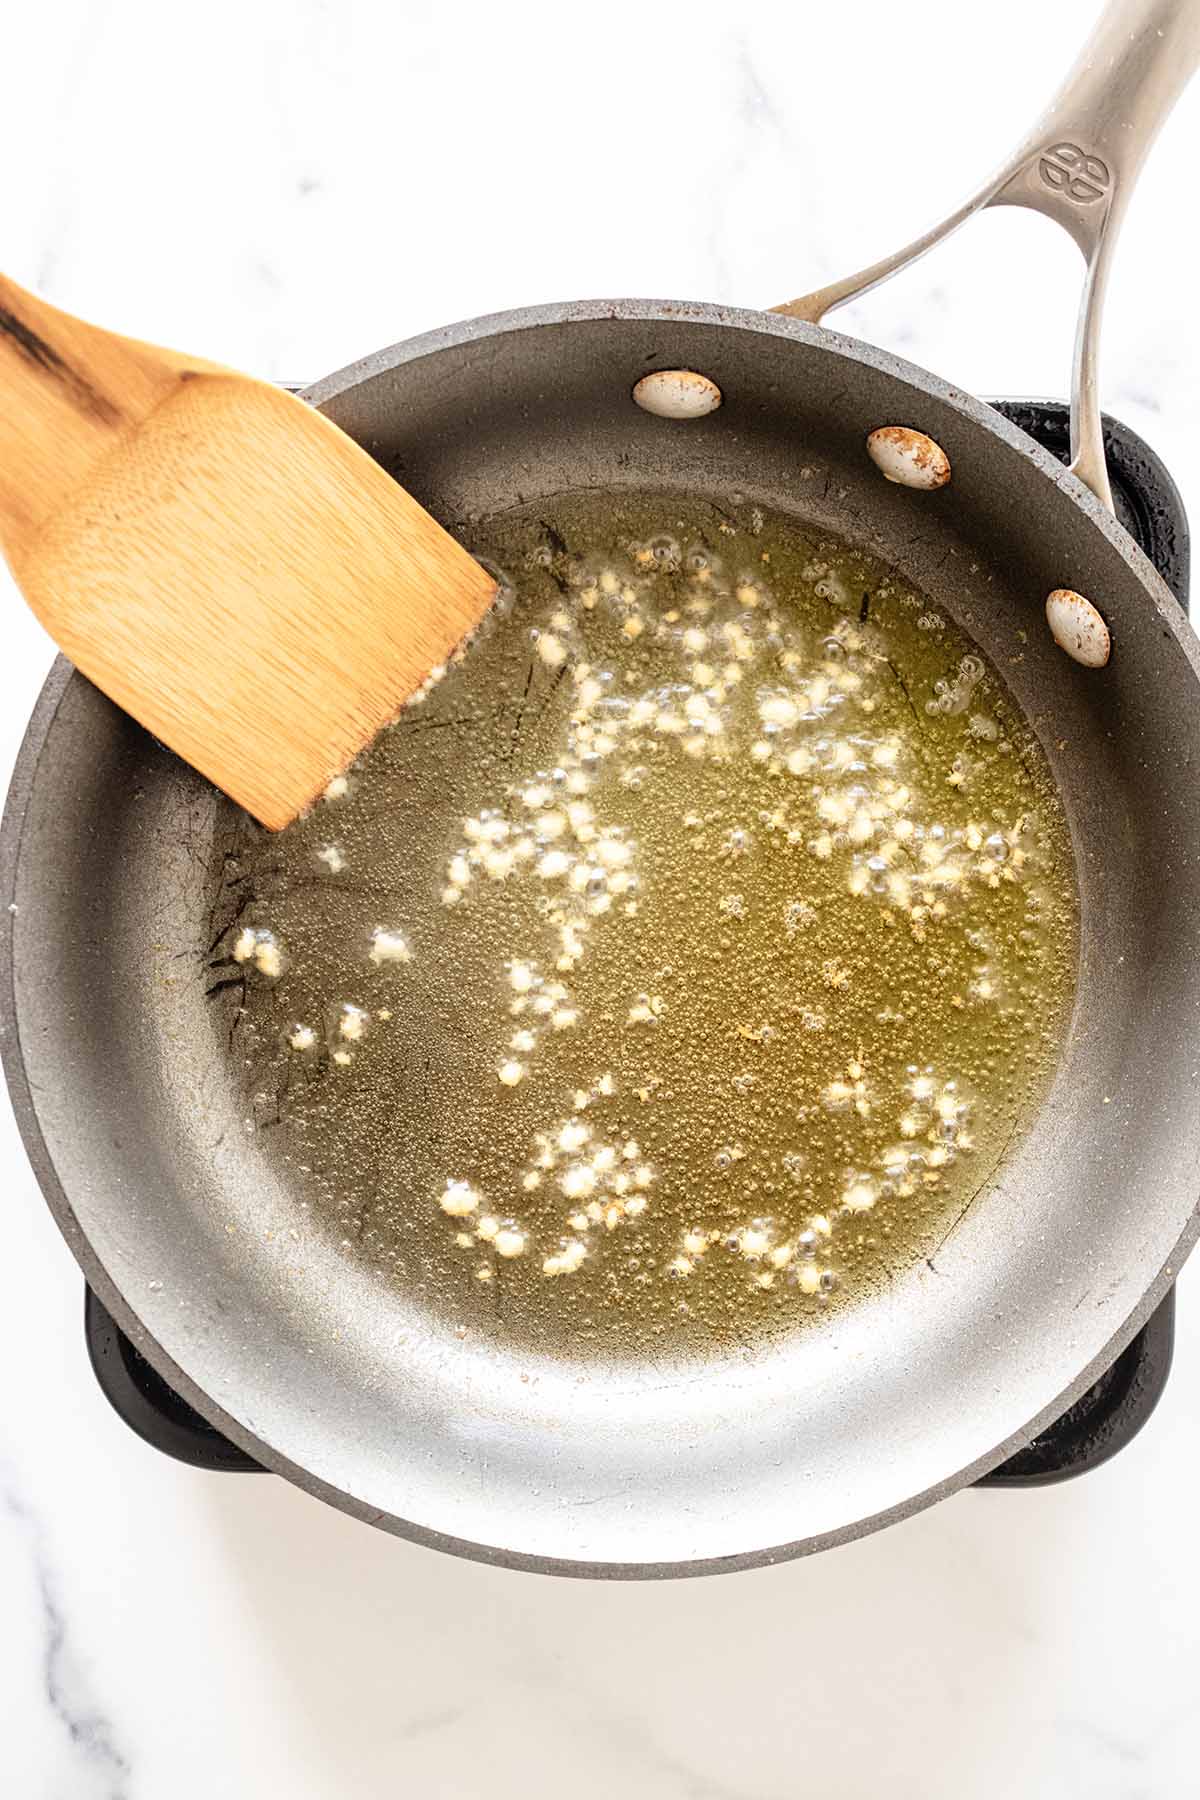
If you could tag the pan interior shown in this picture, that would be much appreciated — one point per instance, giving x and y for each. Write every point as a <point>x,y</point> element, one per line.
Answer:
<point>137,1120</point>
<point>678,968</point>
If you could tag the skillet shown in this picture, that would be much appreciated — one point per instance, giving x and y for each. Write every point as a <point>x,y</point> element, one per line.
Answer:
<point>111,851</point>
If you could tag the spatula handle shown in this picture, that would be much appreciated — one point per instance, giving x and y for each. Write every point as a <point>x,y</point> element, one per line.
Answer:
<point>1078,166</point>
<point>67,391</point>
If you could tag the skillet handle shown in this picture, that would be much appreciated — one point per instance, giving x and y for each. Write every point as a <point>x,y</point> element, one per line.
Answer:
<point>1078,166</point>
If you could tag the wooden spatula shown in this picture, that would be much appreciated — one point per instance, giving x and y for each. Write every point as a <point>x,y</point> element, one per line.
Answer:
<point>225,563</point>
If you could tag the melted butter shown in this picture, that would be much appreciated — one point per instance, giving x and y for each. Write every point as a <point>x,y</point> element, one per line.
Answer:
<point>689,955</point>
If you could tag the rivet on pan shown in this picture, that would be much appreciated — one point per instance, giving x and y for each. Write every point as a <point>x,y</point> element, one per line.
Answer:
<point>1077,628</point>
<point>677,394</point>
<point>909,457</point>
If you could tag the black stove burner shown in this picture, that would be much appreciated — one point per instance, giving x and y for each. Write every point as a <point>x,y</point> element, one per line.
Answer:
<point>1104,1419</point>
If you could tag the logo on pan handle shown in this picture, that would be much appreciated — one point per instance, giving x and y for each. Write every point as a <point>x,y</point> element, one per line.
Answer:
<point>1071,172</point>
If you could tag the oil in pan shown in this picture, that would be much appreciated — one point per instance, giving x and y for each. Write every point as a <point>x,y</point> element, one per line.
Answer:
<point>682,963</point>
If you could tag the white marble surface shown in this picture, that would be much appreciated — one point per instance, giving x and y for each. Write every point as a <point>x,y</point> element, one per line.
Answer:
<point>287,186</point>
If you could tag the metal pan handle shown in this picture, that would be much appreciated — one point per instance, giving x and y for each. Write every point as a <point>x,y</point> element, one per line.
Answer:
<point>1078,166</point>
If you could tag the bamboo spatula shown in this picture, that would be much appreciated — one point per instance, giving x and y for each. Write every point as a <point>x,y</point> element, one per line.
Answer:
<point>224,562</point>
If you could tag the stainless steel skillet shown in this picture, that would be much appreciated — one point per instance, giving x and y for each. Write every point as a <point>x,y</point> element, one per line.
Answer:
<point>130,1111</point>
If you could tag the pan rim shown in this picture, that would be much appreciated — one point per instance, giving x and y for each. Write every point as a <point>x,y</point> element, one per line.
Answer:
<point>741,318</point>
<point>25,1110</point>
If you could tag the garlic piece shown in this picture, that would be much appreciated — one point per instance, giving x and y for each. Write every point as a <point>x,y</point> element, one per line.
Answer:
<point>260,947</point>
<point>566,1260</point>
<point>352,1022</point>
<point>389,946</point>
<point>459,1199</point>
<point>267,959</point>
